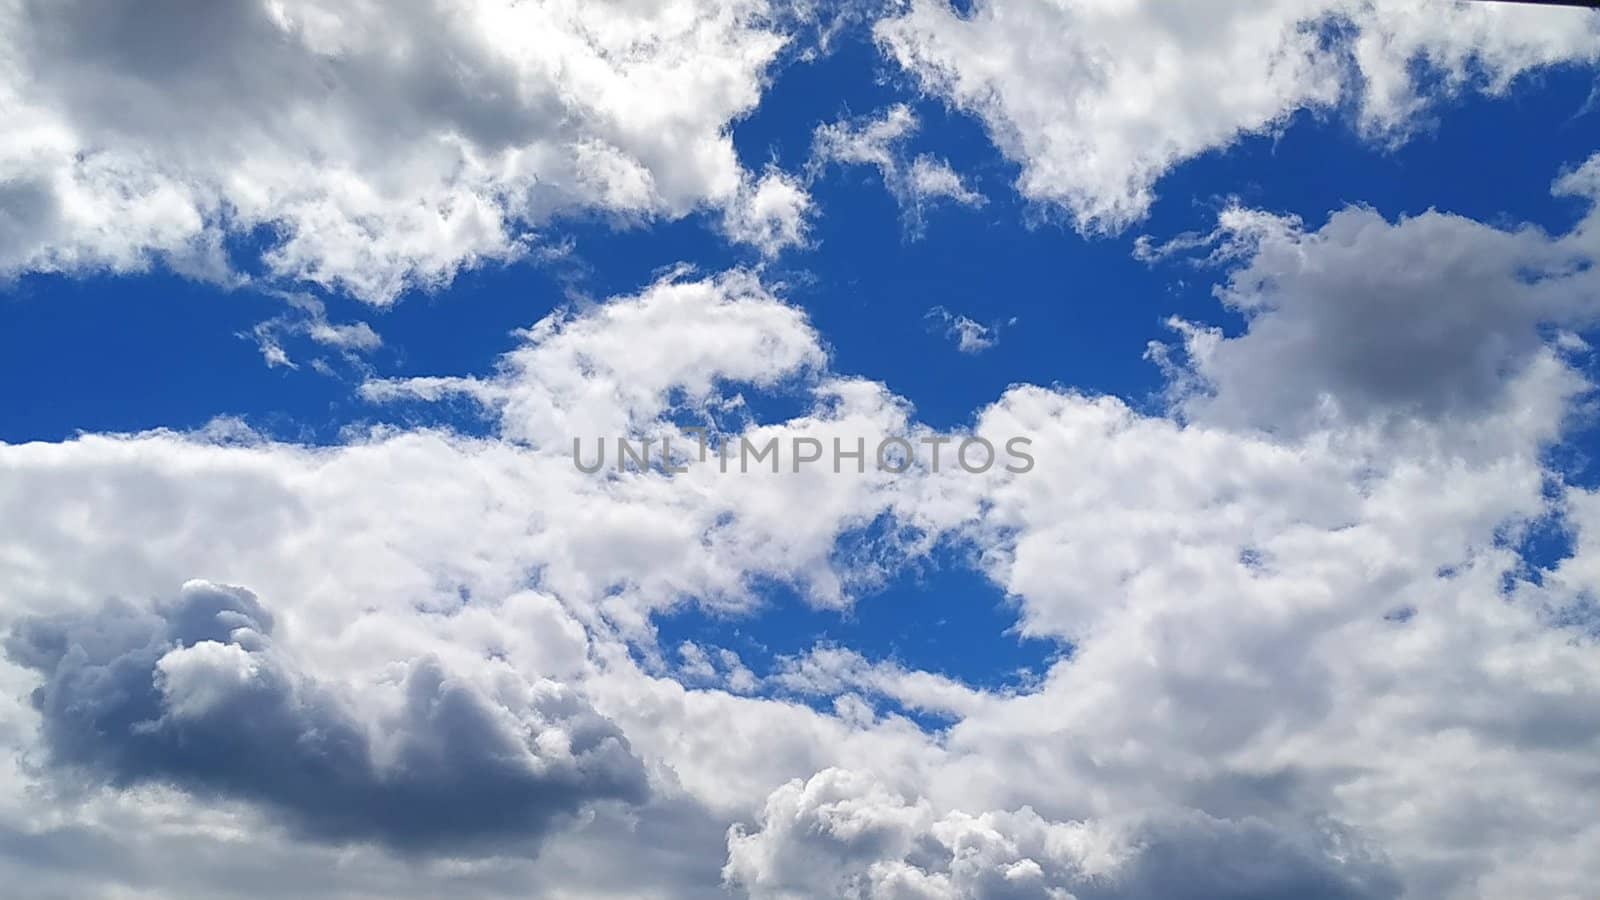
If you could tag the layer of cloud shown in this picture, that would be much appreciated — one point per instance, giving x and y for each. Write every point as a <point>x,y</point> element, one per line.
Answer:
<point>1306,653</point>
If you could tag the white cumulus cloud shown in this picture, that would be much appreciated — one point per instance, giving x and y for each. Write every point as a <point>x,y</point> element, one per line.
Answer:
<point>363,147</point>
<point>1096,100</point>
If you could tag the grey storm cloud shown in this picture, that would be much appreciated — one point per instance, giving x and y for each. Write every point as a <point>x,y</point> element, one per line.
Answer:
<point>192,694</point>
<point>1202,858</point>
<point>1429,318</point>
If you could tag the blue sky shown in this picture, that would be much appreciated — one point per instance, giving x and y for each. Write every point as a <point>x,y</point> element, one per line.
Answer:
<point>242,521</point>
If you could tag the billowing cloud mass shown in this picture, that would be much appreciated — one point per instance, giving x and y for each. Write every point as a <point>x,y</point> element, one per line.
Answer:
<point>1097,100</point>
<point>842,835</point>
<point>368,148</point>
<point>194,694</point>
<point>1307,656</point>
<point>1320,616</point>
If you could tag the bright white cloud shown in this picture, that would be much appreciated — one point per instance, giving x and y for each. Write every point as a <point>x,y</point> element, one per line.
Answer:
<point>308,317</point>
<point>877,141</point>
<point>1097,100</point>
<point>368,148</point>
<point>620,366</point>
<point>970,335</point>
<point>770,214</point>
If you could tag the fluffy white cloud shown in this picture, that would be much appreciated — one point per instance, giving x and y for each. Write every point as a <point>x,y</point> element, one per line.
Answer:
<point>308,317</point>
<point>368,147</point>
<point>1302,629</point>
<point>770,213</point>
<point>970,335</point>
<point>1096,99</point>
<point>836,671</point>
<point>841,834</point>
<point>623,365</point>
<point>876,141</point>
